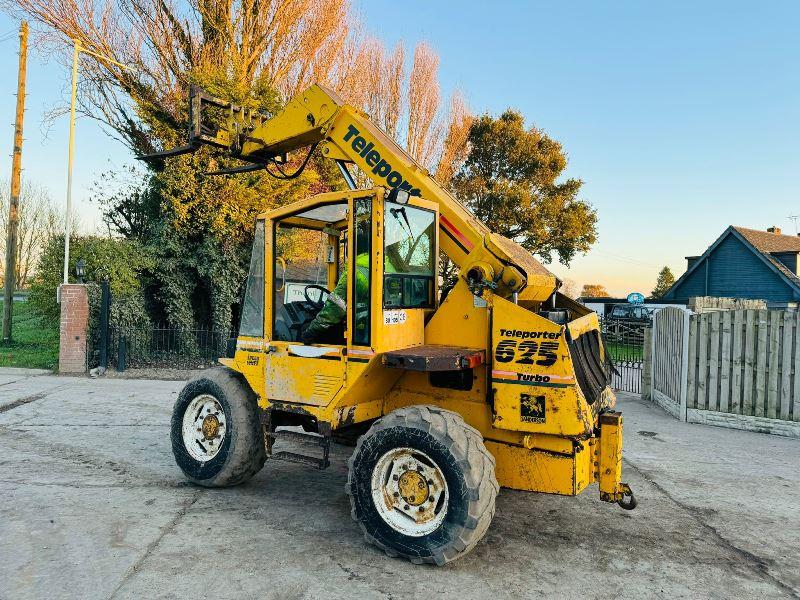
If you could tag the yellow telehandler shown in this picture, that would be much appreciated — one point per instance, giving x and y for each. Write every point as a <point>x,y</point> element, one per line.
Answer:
<point>448,395</point>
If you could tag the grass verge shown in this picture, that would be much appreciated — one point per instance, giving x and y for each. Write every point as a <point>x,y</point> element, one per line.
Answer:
<point>33,345</point>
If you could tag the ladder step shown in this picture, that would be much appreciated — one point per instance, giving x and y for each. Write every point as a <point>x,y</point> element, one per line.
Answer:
<point>312,461</point>
<point>299,436</point>
<point>319,462</point>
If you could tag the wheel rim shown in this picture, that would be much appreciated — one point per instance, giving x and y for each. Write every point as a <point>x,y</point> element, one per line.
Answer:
<point>409,491</point>
<point>204,427</point>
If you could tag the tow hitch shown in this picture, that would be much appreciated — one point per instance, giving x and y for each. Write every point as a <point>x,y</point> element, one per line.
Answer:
<point>608,462</point>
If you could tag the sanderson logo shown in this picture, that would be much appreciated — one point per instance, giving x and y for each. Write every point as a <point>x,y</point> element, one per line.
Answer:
<point>373,158</point>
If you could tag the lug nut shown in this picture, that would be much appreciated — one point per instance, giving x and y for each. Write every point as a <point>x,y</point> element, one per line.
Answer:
<point>421,509</point>
<point>430,481</point>
<point>405,507</point>
<point>395,477</point>
<point>397,494</point>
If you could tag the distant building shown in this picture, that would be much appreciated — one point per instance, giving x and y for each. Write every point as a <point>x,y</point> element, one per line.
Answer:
<point>744,263</point>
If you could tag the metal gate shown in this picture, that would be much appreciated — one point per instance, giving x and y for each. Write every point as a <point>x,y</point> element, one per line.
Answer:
<point>624,342</point>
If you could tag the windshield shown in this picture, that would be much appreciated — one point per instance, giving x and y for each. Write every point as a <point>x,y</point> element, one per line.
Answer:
<point>409,240</point>
<point>410,257</point>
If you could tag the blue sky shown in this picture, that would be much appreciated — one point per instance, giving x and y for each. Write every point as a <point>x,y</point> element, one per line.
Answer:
<point>681,117</point>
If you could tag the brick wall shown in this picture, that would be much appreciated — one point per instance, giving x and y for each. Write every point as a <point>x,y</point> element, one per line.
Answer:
<point>74,326</point>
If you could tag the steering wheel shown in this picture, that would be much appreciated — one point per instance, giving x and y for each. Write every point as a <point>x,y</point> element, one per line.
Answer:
<point>316,305</point>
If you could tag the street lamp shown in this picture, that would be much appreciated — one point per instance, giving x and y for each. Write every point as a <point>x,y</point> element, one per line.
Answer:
<point>75,56</point>
<point>80,270</point>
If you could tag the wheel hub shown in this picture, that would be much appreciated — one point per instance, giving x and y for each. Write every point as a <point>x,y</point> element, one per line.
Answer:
<point>413,488</point>
<point>204,427</point>
<point>409,491</point>
<point>210,426</point>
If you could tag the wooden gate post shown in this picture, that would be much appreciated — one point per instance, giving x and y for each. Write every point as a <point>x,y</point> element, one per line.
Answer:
<point>647,363</point>
<point>685,362</point>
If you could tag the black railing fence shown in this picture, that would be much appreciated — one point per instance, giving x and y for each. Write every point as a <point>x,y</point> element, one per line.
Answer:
<point>166,347</point>
<point>624,340</point>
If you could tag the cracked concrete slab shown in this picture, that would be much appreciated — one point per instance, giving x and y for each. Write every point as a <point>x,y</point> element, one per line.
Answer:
<point>94,507</point>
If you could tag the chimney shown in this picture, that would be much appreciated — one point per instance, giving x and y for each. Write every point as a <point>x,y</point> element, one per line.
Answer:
<point>774,229</point>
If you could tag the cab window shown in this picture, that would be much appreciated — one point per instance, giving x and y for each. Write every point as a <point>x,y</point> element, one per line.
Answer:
<point>362,246</point>
<point>410,257</point>
<point>306,273</point>
<point>252,321</point>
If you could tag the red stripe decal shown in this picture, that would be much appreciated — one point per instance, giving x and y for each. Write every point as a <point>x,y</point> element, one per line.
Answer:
<point>448,225</point>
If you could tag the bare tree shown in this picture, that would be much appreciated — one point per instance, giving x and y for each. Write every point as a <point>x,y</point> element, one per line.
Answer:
<point>234,48</point>
<point>569,288</point>
<point>287,44</point>
<point>39,220</point>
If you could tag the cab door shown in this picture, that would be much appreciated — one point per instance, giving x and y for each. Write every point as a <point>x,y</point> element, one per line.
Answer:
<point>306,259</point>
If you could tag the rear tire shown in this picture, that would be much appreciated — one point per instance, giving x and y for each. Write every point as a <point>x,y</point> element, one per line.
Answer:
<point>434,523</point>
<point>216,433</point>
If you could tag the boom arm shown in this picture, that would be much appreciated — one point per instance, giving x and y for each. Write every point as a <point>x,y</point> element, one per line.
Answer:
<point>319,116</point>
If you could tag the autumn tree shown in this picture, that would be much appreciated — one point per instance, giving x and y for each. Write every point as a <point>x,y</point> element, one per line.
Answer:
<point>511,181</point>
<point>455,147</point>
<point>665,281</point>
<point>254,53</point>
<point>594,290</point>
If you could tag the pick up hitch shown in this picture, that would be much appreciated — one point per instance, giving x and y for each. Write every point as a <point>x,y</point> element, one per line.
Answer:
<point>628,500</point>
<point>608,462</point>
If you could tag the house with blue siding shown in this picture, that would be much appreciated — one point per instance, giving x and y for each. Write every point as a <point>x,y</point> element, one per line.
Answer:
<point>744,263</point>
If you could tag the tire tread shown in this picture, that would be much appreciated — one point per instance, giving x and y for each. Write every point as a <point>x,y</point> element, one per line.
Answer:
<point>475,461</point>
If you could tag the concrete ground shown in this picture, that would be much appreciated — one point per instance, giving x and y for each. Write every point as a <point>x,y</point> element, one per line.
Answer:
<point>92,506</point>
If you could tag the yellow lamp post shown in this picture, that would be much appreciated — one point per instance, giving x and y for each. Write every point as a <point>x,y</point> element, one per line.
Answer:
<point>70,160</point>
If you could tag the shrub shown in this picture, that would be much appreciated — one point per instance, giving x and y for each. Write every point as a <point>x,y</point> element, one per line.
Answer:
<point>125,263</point>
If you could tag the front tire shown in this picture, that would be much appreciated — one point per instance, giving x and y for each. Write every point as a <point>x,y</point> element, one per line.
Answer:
<point>422,485</point>
<point>216,433</point>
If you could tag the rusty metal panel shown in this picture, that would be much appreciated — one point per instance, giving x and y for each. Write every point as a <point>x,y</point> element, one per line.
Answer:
<point>434,358</point>
<point>533,470</point>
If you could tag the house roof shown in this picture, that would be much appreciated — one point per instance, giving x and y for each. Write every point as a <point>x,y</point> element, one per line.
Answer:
<point>768,243</point>
<point>762,244</point>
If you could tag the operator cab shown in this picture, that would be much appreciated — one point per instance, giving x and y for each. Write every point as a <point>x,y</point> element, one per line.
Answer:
<point>353,268</point>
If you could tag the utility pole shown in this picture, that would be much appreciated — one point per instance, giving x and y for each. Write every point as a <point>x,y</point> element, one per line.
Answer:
<point>13,205</point>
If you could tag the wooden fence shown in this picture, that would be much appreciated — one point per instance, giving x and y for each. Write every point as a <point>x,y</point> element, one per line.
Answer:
<point>745,362</point>
<point>737,368</point>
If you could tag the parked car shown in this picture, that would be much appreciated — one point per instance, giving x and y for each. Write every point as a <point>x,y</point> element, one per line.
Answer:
<point>625,324</point>
<point>631,312</point>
